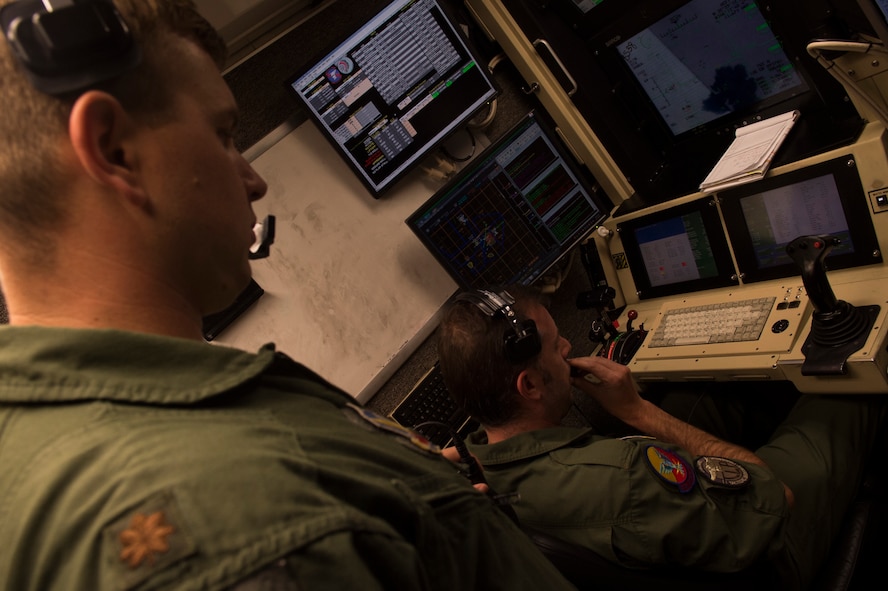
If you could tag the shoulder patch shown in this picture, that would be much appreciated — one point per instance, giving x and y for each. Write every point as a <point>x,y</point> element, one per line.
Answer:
<point>670,468</point>
<point>722,472</point>
<point>145,540</point>
<point>391,426</point>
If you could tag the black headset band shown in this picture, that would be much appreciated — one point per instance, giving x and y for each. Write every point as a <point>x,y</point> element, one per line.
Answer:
<point>521,340</point>
<point>66,46</point>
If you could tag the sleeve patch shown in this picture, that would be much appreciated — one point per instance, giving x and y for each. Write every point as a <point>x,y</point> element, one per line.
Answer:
<point>670,468</point>
<point>145,541</point>
<point>387,425</point>
<point>722,472</point>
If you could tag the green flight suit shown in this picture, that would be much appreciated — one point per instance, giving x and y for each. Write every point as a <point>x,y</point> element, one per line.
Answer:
<point>138,461</point>
<point>606,493</point>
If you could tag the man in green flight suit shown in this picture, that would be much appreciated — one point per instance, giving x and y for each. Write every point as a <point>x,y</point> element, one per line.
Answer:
<point>135,455</point>
<point>673,496</point>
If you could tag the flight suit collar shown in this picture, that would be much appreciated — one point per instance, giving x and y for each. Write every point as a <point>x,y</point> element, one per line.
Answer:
<point>524,445</point>
<point>41,364</point>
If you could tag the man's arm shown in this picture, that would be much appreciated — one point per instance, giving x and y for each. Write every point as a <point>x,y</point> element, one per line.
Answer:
<point>617,394</point>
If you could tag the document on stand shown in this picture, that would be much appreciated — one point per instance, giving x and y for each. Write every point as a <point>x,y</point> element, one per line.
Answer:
<point>749,155</point>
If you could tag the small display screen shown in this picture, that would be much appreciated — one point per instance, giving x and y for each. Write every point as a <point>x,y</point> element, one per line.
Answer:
<point>825,198</point>
<point>677,250</point>
<point>777,217</point>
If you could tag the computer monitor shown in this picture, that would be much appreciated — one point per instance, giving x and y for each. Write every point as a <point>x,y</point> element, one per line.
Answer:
<point>511,213</point>
<point>825,198</point>
<point>707,60</point>
<point>393,90</point>
<point>677,250</point>
<point>676,78</point>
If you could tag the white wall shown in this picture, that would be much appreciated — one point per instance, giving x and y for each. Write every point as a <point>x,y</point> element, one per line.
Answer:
<point>243,22</point>
<point>350,291</point>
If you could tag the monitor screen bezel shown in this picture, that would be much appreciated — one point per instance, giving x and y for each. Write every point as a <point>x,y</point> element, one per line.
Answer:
<point>343,45</point>
<point>726,275</point>
<point>582,175</point>
<point>854,204</point>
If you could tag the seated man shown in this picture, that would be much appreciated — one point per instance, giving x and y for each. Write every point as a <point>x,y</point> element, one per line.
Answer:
<point>133,453</point>
<point>675,495</point>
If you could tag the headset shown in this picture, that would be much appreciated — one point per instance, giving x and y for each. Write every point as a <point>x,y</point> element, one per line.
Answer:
<point>66,46</point>
<point>521,341</point>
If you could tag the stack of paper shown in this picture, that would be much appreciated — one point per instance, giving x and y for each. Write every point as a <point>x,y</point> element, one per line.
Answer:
<point>749,155</point>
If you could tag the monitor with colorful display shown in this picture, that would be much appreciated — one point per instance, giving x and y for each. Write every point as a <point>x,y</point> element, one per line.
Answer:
<point>392,91</point>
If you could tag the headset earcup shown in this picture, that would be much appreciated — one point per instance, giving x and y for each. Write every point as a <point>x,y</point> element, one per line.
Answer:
<point>69,48</point>
<point>523,344</point>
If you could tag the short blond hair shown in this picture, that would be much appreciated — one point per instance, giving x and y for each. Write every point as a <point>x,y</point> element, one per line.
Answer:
<point>31,122</point>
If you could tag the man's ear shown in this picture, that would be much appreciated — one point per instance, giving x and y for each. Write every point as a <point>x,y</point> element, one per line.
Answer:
<point>530,384</point>
<point>102,133</point>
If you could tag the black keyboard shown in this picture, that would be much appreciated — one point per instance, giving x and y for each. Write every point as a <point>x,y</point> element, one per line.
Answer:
<point>430,401</point>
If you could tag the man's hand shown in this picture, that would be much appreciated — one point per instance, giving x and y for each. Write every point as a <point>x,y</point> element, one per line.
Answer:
<point>610,383</point>
<point>453,455</point>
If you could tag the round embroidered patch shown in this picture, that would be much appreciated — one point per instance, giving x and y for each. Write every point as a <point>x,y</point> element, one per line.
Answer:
<point>671,468</point>
<point>722,472</point>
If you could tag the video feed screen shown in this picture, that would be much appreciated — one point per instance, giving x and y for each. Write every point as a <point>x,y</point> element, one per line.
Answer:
<point>777,217</point>
<point>709,59</point>
<point>826,198</point>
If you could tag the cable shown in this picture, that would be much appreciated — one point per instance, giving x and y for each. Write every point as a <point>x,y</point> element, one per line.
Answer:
<point>492,103</point>
<point>561,273</point>
<point>488,119</point>
<point>495,61</point>
<point>579,411</point>
<point>814,50</point>
<point>466,158</point>
<point>474,471</point>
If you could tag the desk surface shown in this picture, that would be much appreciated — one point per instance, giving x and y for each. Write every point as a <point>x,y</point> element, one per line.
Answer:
<point>349,290</point>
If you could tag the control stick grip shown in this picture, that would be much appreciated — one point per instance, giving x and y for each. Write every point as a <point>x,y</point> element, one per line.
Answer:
<point>808,253</point>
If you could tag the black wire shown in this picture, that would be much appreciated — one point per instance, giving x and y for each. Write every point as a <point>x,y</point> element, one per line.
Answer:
<point>694,407</point>
<point>474,472</point>
<point>466,158</point>
<point>580,412</point>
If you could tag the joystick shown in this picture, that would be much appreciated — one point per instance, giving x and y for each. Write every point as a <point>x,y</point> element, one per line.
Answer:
<point>838,328</point>
<point>631,315</point>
